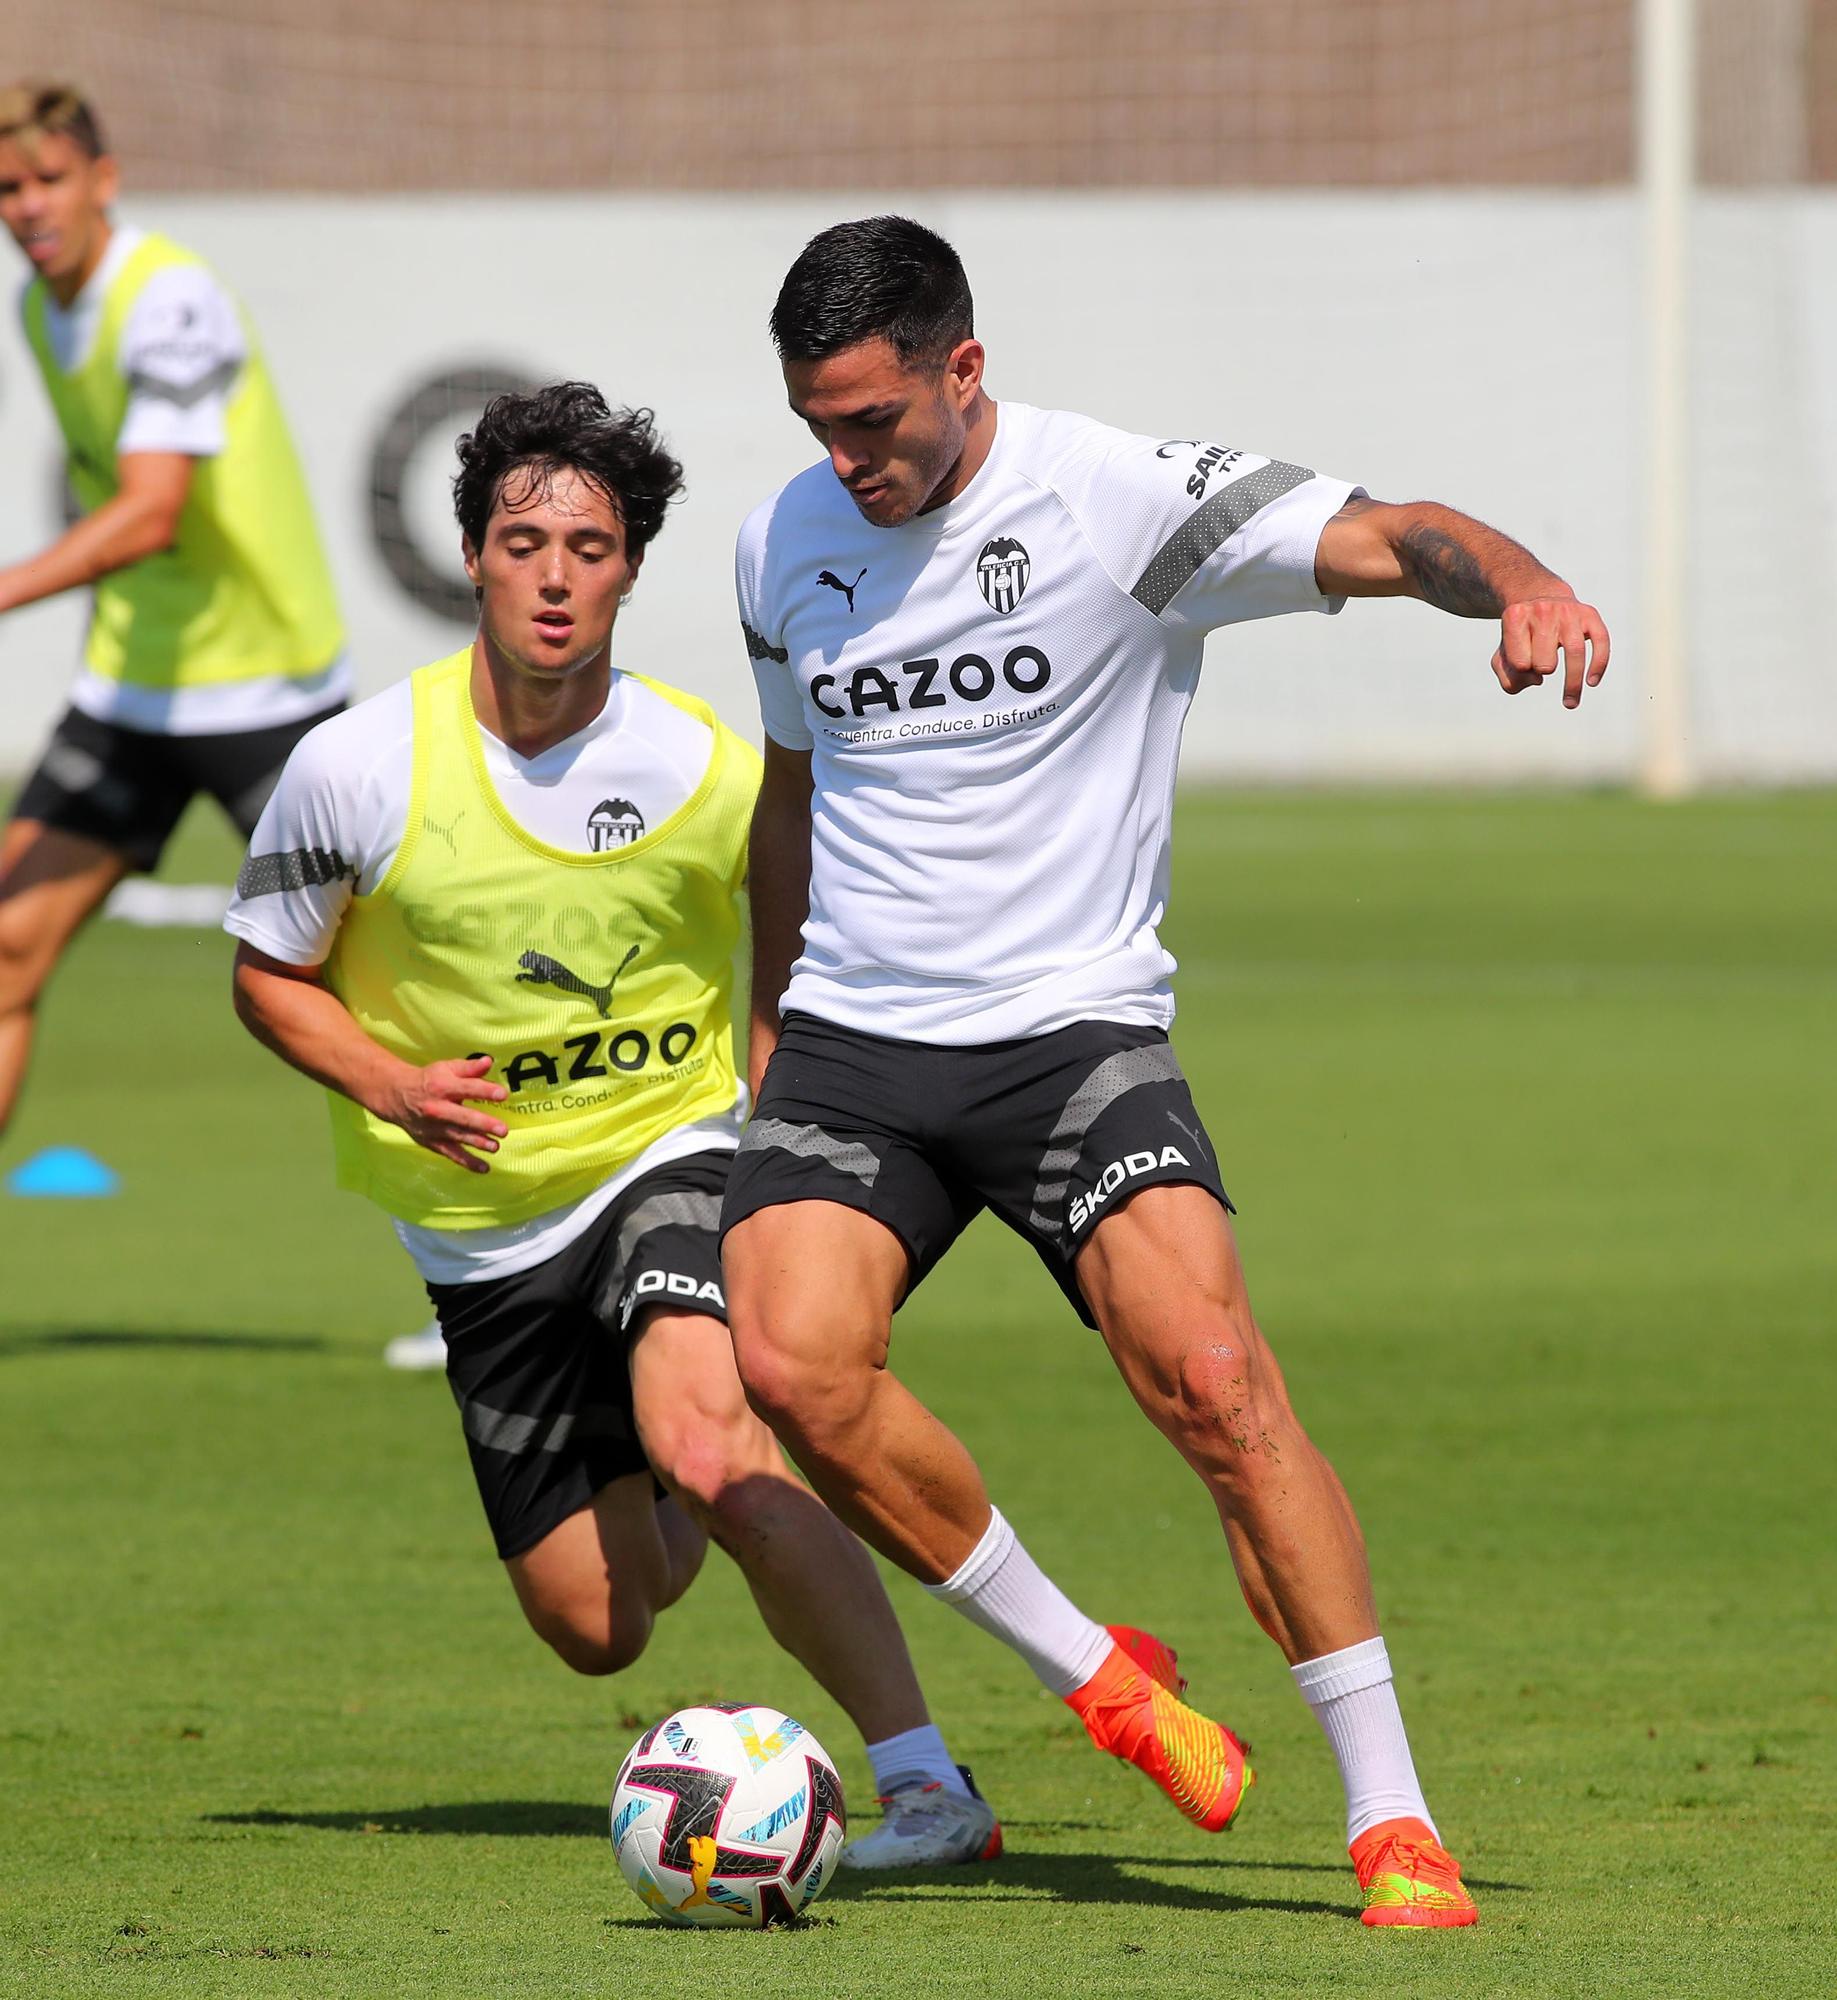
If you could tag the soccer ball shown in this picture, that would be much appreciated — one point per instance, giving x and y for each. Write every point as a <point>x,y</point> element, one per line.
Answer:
<point>727,1817</point>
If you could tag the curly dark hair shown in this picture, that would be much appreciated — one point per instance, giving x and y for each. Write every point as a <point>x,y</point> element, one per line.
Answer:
<point>567,426</point>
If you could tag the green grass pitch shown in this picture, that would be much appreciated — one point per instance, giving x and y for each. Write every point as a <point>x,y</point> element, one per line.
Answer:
<point>1529,1105</point>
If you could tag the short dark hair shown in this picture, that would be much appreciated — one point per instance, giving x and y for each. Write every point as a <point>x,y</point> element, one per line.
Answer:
<point>567,426</point>
<point>33,111</point>
<point>885,277</point>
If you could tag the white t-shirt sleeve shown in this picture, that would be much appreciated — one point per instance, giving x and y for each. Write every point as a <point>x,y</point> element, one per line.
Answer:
<point>330,830</point>
<point>181,350</point>
<point>781,707</point>
<point>1201,534</point>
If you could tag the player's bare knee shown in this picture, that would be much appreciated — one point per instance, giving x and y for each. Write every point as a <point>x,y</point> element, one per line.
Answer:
<point>595,1644</point>
<point>699,1471</point>
<point>780,1377</point>
<point>810,1407</point>
<point>706,1448</point>
<point>24,964</point>
<point>775,1394</point>
<point>593,1658</point>
<point>1224,1412</point>
<point>746,1511</point>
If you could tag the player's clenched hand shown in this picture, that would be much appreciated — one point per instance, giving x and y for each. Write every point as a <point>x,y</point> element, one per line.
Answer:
<point>1533,633</point>
<point>434,1107</point>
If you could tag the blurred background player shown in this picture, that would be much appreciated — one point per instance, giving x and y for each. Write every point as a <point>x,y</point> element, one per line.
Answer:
<point>435,873</point>
<point>960,860</point>
<point>215,641</point>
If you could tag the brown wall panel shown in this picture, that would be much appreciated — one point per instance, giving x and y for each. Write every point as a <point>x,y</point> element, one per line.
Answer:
<point>381,95</point>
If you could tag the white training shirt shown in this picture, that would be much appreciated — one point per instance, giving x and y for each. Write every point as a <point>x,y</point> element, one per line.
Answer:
<point>182,349</point>
<point>344,794</point>
<point>993,695</point>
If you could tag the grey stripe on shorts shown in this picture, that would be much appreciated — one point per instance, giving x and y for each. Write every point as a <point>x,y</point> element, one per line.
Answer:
<point>503,1430</point>
<point>683,1209</point>
<point>1114,1077</point>
<point>811,1142</point>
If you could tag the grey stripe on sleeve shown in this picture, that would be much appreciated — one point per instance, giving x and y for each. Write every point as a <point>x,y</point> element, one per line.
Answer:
<point>302,868</point>
<point>810,1142</point>
<point>760,647</point>
<point>1210,525</point>
<point>185,395</point>
<point>1114,1077</point>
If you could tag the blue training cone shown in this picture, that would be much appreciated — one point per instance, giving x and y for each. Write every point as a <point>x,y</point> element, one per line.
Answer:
<point>66,1172</point>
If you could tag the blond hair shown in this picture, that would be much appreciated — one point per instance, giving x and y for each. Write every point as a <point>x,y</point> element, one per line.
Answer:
<point>31,112</point>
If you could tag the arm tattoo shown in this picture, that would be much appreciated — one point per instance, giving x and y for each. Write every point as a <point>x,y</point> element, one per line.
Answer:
<point>1446,574</point>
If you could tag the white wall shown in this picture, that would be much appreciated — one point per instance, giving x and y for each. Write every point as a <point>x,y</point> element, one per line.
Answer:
<point>1476,348</point>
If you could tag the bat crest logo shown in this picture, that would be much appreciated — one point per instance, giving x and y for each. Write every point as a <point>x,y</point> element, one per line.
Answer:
<point>1002,570</point>
<point>614,823</point>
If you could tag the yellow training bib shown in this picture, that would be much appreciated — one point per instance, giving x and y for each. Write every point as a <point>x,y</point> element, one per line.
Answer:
<point>600,985</point>
<point>244,591</point>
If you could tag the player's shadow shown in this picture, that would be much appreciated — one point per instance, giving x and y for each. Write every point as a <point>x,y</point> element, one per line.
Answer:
<point>1097,1878</point>
<point>545,1818</point>
<point>54,1339</point>
<point>1016,1877</point>
<point>1110,1878</point>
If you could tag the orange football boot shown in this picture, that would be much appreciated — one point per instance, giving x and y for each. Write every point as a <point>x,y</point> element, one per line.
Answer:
<point>1154,1656</point>
<point>1406,1876</point>
<point>1129,1707</point>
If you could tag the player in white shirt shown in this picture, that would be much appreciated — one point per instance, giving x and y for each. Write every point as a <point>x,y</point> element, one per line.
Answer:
<point>433,896</point>
<point>214,641</point>
<point>976,632</point>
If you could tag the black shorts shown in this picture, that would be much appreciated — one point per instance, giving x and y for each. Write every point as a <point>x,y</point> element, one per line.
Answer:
<point>128,788</point>
<point>538,1361</point>
<point>1049,1133</point>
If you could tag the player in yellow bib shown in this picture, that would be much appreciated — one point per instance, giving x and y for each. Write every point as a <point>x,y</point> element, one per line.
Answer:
<point>215,640</point>
<point>495,911</point>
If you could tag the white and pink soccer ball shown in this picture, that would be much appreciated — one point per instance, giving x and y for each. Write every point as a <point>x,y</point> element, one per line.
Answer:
<point>727,1817</point>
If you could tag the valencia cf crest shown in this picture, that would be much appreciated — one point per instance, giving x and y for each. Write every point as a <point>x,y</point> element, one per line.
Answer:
<point>614,823</point>
<point>1001,573</point>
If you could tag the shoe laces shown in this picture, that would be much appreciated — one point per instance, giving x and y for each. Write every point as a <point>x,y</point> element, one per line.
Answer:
<point>1127,1696</point>
<point>921,1803</point>
<point>1401,1854</point>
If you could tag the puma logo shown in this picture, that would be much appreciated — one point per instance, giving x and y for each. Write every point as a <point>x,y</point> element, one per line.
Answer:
<point>541,970</point>
<point>848,590</point>
<point>1198,1138</point>
<point>703,1857</point>
<point>446,832</point>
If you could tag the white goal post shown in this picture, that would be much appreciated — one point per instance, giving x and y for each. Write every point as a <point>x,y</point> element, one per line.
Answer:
<point>1667,74</point>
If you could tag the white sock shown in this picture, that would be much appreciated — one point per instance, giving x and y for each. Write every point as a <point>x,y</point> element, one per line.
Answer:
<point>1351,1694</point>
<point>1001,1588</point>
<point>914,1757</point>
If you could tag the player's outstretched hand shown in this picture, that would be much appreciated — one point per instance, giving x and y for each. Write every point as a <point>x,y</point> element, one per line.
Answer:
<point>433,1106</point>
<point>1534,632</point>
